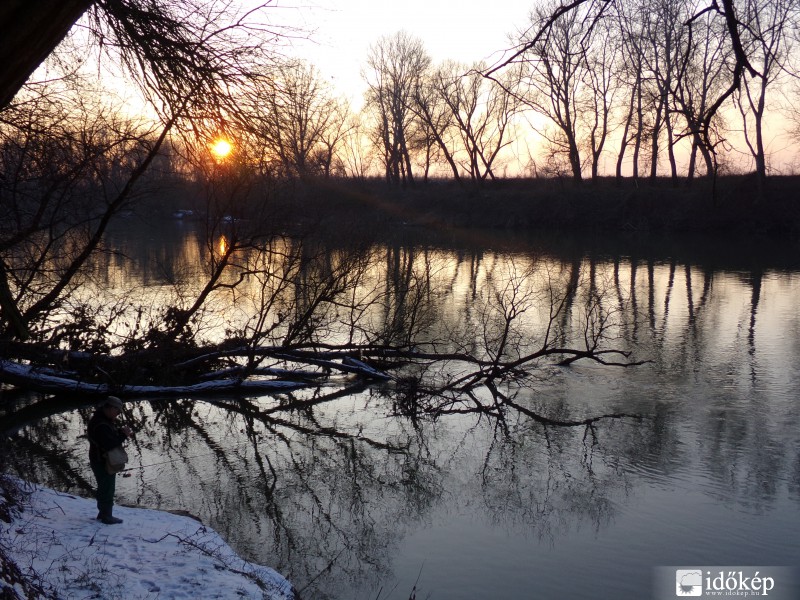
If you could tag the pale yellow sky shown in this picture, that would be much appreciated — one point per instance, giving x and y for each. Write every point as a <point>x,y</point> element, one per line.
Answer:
<point>464,31</point>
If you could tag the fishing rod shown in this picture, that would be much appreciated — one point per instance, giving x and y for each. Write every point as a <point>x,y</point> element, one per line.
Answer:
<point>166,462</point>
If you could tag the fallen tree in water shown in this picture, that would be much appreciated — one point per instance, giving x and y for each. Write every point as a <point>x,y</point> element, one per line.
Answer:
<point>422,379</point>
<point>95,375</point>
<point>248,310</point>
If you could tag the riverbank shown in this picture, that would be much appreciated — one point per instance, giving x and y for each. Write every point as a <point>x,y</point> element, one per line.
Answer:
<point>62,551</point>
<point>732,204</point>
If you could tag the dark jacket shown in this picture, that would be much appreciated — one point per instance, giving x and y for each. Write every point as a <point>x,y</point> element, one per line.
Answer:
<point>103,435</point>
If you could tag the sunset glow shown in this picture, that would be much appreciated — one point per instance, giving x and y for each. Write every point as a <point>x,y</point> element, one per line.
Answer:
<point>221,148</point>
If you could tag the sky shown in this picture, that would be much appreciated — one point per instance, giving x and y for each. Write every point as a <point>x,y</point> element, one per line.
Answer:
<point>343,30</point>
<point>152,554</point>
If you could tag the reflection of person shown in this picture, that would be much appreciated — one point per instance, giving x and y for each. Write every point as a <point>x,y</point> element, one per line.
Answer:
<point>104,435</point>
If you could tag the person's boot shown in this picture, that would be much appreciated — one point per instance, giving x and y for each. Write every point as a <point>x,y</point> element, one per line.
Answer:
<point>110,520</point>
<point>105,517</point>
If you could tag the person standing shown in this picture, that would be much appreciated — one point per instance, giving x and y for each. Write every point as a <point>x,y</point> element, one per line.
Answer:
<point>104,434</point>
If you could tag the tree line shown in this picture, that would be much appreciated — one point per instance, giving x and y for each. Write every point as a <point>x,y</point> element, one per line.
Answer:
<point>651,87</point>
<point>628,80</point>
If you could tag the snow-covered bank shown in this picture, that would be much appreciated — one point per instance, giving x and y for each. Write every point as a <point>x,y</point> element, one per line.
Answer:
<point>151,555</point>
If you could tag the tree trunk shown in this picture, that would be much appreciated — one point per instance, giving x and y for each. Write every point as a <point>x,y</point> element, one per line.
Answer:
<point>29,31</point>
<point>9,311</point>
<point>639,130</point>
<point>708,159</point>
<point>624,142</point>
<point>654,142</point>
<point>407,162</point>
<point>760,157</point>
<point>673,165</point>
<point>575,162</point>
<point>692,161</point>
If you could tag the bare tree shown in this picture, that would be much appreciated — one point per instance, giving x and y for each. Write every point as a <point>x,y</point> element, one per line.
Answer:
<point>603,82</point>
<point>681,62</point>
<point>298,121</point>
<point>69,171</point>
<point>480,114</point>
<point>571,77</point>
<point>395,66</point>
<point>357,158</point>
<point>767,41</point>
<point>663,28</point>
<point>329,153</point>
<point>187,58</point>
<point>436,118</point>
<point>631,75</point>
<point>739,65</point>
<point>705,60</point>
<point>553,84</point>
<point>589,12</point>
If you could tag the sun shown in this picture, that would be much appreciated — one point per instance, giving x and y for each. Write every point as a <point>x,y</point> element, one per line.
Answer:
<point>221,148</point>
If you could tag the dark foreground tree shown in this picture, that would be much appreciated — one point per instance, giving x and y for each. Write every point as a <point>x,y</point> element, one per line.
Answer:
<point>190,61</point>
<point>29,32</point>
<point>159,37</point>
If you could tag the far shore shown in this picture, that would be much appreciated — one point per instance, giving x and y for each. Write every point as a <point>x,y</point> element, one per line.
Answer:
<point>731,204</point>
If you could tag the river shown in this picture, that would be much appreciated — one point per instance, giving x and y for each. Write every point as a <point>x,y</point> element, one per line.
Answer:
<point>351,500</point>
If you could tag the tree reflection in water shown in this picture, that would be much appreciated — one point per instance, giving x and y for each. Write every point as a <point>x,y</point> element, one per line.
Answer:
<point>323,487</point>
<point>326,483</point>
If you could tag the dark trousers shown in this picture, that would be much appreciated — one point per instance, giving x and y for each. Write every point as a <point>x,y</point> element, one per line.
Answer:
<point>106,486</point>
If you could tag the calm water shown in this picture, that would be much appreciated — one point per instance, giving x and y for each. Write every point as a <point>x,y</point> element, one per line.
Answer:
<point>352,502</point>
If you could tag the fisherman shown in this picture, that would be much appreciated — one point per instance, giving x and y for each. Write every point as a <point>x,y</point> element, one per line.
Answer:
<point>104,434</point>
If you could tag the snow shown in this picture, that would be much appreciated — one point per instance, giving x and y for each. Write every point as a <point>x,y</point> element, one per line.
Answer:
<point>42,381</point>
<point>152,554</point>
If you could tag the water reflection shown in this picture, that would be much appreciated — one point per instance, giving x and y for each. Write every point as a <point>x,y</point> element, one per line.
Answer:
<point>339,490</point>
<point>223,245</point>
